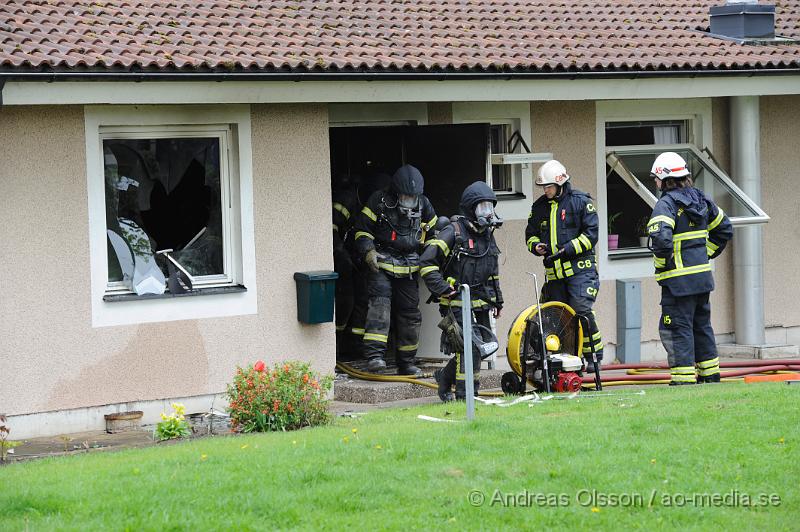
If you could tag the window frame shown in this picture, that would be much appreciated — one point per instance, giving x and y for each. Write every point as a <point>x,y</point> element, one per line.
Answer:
<point>697,112</point>
<point>232,296</point>
<point>627,176</point>
<point>223,133</point>
<point>514,205</point>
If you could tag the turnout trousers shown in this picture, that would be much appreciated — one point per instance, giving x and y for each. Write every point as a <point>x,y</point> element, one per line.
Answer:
<point>393,304</point>
<point>687,335</point>
<point>579,292</point>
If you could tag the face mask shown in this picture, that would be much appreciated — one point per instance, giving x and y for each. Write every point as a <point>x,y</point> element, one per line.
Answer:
<point>485,216</point>
<point>484,209</point>
<point>408,201</point>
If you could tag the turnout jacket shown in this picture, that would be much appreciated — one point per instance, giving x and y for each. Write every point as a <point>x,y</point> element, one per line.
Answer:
<point>396,237</point>
<point>345,205</point>
<point>458,255</point>
<point>568,223</point>
<point>686,230</point>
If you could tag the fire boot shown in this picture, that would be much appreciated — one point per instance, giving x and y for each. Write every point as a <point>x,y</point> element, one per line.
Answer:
<point>376,364</point>
<point>590,364</point>
<point>461,389</point>
<point>409,369</point>
<point>445,393</point>
<point>708,378</point>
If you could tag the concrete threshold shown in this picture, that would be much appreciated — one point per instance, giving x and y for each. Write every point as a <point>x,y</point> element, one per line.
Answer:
<point>760,352</point>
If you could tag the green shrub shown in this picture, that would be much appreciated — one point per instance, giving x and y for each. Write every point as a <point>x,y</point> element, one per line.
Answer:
<point>289,396</point>
<point>173,425</point>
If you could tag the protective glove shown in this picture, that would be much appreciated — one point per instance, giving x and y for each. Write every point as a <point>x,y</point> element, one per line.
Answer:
<point>550,260</point>
<point>371,259</point>
<point>449,294</point>
<point>541,250</point>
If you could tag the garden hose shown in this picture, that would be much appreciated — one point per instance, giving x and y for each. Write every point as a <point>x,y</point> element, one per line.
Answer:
<point>363,375</point>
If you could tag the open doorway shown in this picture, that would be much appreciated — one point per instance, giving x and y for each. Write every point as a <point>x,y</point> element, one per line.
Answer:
<point>450,157</point>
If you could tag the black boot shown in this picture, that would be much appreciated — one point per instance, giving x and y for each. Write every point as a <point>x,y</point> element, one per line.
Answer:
<point>376,364</point>
<point>461,389</point>
<point>708,379</point>
<point>445,393</point>
<point>674,383</point>
<point>409,370</point>
<point>590,364</point>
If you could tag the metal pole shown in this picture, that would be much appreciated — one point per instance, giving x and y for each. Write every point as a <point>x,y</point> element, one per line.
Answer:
<point>466,321</point>
<point>748,262</point>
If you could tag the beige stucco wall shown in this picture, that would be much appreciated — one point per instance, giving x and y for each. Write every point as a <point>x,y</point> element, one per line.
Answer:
<point>780,161</point>
<point>51,357</point>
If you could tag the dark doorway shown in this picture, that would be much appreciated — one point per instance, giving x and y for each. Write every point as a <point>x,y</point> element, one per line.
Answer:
<point>450,157</point>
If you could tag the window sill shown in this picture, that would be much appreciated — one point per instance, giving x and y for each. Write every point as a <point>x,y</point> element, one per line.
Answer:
<point>631,253</point>
<point>509,197</point>
<point>114,298</point>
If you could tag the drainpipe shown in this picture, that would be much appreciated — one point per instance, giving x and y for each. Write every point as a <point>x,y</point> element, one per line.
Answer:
<point>748,263</point>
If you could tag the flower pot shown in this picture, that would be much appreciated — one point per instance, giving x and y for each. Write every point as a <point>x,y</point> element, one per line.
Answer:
<point>123,421</point>
<point>613,241</point>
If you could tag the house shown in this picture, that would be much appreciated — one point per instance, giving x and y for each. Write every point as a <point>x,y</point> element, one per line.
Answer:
<point>220,123</point>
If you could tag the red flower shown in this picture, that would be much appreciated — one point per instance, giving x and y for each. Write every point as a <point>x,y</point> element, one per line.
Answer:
<point>305,377</point>
<point>259,366</point>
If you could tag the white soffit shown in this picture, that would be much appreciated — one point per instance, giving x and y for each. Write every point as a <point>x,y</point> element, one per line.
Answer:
<point>208,92</point>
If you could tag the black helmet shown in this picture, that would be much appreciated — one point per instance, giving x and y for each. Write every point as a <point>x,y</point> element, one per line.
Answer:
<point>475,193</point>
<point>408,180</point>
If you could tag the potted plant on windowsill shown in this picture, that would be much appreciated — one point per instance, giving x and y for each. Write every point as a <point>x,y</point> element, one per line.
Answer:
<point>641,231</point>
<point>613,235</point>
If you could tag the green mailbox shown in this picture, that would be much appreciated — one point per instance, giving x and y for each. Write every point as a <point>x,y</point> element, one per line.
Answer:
<point>315,294</point>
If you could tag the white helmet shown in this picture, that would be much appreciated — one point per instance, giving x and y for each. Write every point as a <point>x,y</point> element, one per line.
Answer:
<point>552,173</point>
<point>669,165</point>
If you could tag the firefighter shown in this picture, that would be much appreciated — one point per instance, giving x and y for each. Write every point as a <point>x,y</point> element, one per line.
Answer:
<point>354,330</point>
<point>686,230</point>
<point>465,252</point>
<point>345,205</point>
<point>391,228</point>
<point>562,228</point>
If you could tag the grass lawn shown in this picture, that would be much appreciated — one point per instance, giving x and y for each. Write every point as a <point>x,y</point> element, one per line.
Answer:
<point>614,462</point>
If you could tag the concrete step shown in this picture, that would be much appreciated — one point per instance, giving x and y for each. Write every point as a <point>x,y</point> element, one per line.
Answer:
<point>352,390</point>
<point>761,352</point>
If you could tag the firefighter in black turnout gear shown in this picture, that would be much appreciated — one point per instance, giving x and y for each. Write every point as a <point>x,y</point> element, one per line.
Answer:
<point>345,205</point>
<point>391,228</point>
<point>562,228</point>
<point>353,333</point>
<point>465,252</point>
<point>686,230</point>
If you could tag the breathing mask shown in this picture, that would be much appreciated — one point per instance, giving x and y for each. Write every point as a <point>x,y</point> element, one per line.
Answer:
<point>409,205</point>
<point>485,215</point>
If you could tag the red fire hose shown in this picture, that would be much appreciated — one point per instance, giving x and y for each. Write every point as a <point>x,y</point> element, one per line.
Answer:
<point>635,376</point>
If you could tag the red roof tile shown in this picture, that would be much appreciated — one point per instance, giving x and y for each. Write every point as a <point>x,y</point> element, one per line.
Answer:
<point>378,36</point>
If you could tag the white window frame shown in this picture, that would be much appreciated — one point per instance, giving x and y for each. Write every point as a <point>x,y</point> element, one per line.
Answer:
<point>758,217</point>
<point>518,115</point>
<point>696,111</point>
<point>230,123</point>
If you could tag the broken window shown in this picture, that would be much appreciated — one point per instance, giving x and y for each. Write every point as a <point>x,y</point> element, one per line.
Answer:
<point>164,193</point>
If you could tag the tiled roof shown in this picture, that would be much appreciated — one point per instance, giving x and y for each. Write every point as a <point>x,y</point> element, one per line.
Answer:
<point>378,36</point>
